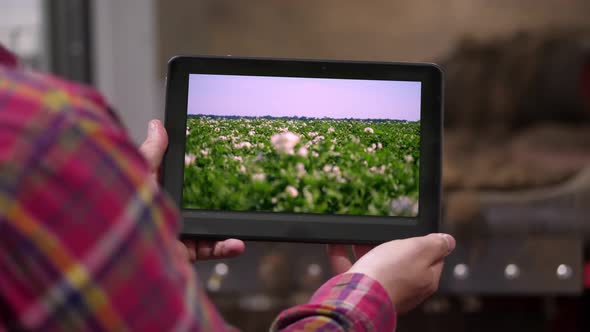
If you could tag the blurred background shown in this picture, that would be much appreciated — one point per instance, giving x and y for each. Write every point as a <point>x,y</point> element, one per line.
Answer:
<point>516,171</point>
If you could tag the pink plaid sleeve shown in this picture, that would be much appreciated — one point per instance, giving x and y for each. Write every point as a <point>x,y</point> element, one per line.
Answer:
<point>88,241</point>
<point>348,302</point>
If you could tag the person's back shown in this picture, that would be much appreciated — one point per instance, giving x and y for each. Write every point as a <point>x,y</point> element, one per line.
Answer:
<point>79,248</point>
<point>88,240</point>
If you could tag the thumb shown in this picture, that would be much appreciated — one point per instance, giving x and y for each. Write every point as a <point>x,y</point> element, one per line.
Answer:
<point>438,246</point>
<point>154,147</point>
<point>339,258</point>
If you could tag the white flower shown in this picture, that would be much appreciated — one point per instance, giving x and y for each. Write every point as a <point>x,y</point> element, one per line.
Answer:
<point>242,145</point>
<point>259,177</point>
<point>331,130</point>
<point>260,145</point>
<point>189,159</point>
<point>378,170</point>
<point>318,138</point>
<point>205,152</point>
<point>374,146</point>
<point>188,130</point>
<point>315,154</point>
<point>300,169</point>
<point>223,138</point>
<point>292,191</point>
<point>217,129</point>
<point>409,158</point>
<point>415,209</point>
<point>238,158</point>
<point>242,169</point>
<point>379,145</point>
<point>302,151</point>
<point>285,142</point>
<point>274,200</point>
<point>251,133</point>
<point>332,169</point>
<point>402,206</point>
<point>370,149</point>
<point>312,134</point>
<point>365,162</point>
<point>369,130</point>
<point>334,141</point>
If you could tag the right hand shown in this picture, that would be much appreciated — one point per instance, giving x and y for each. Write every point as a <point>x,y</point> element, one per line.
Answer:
<point>408,269</point>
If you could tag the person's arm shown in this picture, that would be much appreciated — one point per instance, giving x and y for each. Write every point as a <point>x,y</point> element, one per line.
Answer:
<point>88,240</point>
<point>344,303</point>
<point>396,275</point>
<point>347,302</point>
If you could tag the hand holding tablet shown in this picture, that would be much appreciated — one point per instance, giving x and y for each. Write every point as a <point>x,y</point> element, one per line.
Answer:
<point>296,150</point>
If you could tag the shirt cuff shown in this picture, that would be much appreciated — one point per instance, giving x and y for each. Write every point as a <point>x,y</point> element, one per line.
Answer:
<point>350,301</point>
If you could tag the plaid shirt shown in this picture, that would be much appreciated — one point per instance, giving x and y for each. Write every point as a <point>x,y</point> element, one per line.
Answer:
<point>87,241</point>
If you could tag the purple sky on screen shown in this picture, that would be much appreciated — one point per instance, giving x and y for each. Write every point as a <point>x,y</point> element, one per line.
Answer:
<point>225,95</point>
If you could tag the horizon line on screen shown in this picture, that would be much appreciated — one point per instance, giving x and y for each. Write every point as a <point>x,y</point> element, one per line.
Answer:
<point>259,96</point>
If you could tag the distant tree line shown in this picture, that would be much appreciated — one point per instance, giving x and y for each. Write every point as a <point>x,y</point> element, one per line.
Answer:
<point>299,118</point>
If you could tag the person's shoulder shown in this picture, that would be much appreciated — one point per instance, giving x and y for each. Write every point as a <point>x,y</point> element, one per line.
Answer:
<point>34,94</point>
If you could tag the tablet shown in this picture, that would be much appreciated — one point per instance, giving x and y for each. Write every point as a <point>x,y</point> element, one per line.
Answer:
<point>304,150</point>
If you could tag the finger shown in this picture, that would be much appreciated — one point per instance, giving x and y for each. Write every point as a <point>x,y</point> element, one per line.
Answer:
<point>154,147</point>
<point>182,250</point>
<point>339,259</point>
<point>204,250</point>
<point>191,246</point>
<point>360,250</point>
<point>228,248</point>
<point>436,270</point>
<point>220,249</point>
<point>437,246</point>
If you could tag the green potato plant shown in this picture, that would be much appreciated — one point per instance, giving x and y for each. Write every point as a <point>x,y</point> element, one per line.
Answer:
<point>327,166</point>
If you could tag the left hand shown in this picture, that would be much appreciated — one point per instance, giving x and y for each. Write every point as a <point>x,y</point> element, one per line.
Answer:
<point>153,149</point>
<point>339,257</point>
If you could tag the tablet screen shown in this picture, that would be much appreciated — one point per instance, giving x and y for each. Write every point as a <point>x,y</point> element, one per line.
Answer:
<point>302,145</point>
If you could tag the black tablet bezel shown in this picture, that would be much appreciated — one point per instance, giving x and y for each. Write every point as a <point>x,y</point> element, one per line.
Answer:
<point>291,227</point>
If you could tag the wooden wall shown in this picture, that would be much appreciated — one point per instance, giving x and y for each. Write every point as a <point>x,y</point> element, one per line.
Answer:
<point>402,30</point>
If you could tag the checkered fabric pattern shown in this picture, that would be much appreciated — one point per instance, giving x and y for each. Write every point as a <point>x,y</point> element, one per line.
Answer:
<point>88,241</point>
